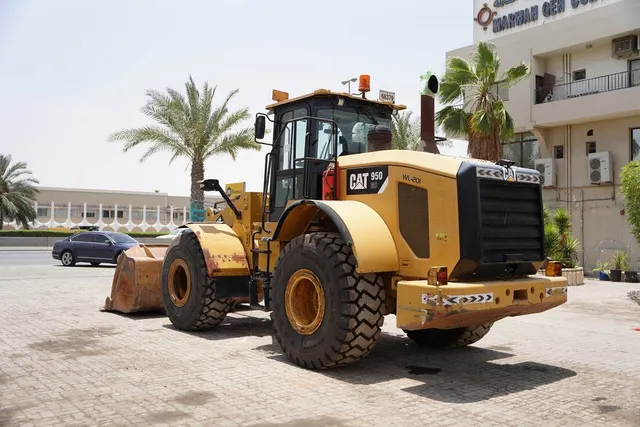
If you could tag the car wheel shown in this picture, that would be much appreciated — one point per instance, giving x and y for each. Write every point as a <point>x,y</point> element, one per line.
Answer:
<point>68,259</point>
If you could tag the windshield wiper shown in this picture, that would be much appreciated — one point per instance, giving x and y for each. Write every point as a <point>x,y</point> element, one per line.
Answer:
<point>367,111</point>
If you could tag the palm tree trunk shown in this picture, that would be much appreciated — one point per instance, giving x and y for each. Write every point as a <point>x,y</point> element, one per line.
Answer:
<point>197,174</point>
<point>1,220</point>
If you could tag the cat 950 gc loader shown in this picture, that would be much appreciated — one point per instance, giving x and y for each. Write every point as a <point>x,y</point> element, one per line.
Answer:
<point>348,230</point>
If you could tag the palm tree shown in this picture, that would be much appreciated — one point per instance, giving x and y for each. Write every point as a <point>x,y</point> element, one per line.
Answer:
<point>482,117</point>
<point>190,127</point>
<point>406,132</point>
<point>17,192</point>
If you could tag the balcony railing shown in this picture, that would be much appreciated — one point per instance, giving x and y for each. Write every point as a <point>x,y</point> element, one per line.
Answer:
<point>586,87</point>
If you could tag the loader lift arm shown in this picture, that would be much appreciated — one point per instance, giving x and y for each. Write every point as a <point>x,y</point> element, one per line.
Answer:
<point>214,185</point>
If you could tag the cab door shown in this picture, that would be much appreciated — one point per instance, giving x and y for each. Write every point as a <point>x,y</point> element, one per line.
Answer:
<point>287,181</point>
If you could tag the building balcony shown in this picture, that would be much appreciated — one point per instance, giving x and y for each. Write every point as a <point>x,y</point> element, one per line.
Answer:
<point>598,98</point>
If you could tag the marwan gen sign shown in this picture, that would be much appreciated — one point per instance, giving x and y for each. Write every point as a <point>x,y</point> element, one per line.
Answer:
<point>487,16</point>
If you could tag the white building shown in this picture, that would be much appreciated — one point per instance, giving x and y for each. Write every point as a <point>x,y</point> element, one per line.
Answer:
<point>578,115</point>
<point>111,210</point>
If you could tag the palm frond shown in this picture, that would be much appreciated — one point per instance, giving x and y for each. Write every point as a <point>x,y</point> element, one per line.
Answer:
<point>515,75</point>
<point>17,192</point>
<point>232,143</point>
<point>453,120</point>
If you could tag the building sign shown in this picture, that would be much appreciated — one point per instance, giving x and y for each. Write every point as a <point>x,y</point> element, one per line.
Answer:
<point>386,96</point>
<point>196,212</point>
<point>487,16</point>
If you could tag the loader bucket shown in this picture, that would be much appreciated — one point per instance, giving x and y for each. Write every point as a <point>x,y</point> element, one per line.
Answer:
<point>137,281</point>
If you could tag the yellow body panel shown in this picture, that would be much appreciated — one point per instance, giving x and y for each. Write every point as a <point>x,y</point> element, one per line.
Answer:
<point>373,244</point>
<point>434,163</point>
<point>371,240</point>
<point>443,219</point>
<point>421,305</point>
<point>223,251</point>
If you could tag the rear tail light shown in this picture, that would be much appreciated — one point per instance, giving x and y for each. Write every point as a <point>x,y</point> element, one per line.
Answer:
<point>553,269</point>
<point>438,276</point>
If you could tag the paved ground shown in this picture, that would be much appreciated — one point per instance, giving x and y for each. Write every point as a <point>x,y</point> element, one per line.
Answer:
<point>63,362</point>
<point>26,257</point>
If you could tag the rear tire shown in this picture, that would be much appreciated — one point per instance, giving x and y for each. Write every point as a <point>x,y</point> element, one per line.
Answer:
<point>340,320</point>
<point>187,291</point>
<point>449,338</point>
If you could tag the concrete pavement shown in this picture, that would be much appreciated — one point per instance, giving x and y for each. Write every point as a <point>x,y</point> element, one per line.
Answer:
<point>64,362</point>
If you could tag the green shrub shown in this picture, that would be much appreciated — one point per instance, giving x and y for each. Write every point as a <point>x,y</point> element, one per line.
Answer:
<point>560,245</point>
<point>56,233</point>
<point>630,179</point>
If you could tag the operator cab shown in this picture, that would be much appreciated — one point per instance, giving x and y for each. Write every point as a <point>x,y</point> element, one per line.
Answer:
<point>310,132</point>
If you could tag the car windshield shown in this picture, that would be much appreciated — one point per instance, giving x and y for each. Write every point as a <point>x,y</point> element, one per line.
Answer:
<point>177,231</point>
<point>122,238</point>
<point>353,127</point>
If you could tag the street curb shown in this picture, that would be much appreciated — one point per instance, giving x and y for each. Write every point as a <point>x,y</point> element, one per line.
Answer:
<point>25,248</point>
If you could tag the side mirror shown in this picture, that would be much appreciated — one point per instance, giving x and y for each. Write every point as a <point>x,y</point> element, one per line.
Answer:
<point>260,126</point>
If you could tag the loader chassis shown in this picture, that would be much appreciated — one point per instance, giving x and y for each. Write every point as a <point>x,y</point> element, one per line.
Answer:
<point>448,245</point>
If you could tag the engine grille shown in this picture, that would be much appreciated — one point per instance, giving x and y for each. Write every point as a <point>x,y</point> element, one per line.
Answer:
<point>511,222</point>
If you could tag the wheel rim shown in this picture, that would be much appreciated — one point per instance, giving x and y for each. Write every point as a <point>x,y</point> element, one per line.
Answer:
<point>179,282</point>
<point>66,258</point>
<point>304,302</point>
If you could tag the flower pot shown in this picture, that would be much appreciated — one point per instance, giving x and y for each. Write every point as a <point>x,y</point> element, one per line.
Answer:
<point>616,275</point>
<point>603,276</point>
<point>631,276</point>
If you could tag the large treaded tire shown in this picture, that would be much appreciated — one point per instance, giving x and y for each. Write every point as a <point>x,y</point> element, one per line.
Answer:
<point>449,338</point>
<point>201,310</point>
<point>354,304</point>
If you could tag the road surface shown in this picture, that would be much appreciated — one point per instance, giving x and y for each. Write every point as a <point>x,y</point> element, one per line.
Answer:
<point>27,257</point>
<point>65,362</point>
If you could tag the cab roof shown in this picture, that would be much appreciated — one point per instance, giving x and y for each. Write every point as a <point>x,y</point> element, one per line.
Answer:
<point>319,92</point>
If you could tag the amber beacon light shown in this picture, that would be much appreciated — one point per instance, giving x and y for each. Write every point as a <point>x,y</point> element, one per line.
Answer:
<point>364,83</point>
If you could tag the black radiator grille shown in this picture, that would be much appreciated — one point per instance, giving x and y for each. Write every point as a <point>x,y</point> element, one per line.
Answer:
<point>511,222</point>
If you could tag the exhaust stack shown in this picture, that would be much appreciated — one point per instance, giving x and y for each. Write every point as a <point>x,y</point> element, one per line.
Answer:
<point>427,115</point>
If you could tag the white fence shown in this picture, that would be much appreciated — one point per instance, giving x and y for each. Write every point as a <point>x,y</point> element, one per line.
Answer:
<point>114,224</point>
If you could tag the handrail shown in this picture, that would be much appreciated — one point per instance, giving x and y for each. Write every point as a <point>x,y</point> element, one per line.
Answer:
<point>592,86</point>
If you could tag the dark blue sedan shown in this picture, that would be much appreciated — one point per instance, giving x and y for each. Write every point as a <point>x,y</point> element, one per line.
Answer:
<point>95,247</point>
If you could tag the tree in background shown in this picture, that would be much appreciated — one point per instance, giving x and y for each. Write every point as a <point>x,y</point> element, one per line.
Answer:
<point>17,192</point>
<point>405,131</point>
<point>481,118</point>
<point>190,127</point>
<point>630,179</point>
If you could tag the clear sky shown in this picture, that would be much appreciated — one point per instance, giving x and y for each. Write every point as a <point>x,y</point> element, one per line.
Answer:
<point>72,72</point>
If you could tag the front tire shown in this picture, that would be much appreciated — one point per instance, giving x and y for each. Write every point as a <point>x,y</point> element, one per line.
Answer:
<point>325,313</point>
<point>187,291</point>
<point>449,338</point>
<point>67,259</point>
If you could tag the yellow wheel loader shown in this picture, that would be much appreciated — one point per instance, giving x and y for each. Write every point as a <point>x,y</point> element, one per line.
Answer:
<point>347,230</point>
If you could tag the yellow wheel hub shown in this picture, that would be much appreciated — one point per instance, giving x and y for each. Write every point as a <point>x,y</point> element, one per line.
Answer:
<point>179,282</point>
<point>304,302</point>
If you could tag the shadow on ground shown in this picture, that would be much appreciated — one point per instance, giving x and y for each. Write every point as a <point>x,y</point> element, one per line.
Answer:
<point>455,376</point>
<point>235,325</point>
<point>464,375</point>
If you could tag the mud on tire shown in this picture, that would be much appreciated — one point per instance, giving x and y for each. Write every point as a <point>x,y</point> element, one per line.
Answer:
<point>200,311</point>
<point>354,304</point>
<point>449,338</point>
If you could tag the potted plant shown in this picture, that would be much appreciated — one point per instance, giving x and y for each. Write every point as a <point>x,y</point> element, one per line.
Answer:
<point>620,263</point>
<point>601,271</point>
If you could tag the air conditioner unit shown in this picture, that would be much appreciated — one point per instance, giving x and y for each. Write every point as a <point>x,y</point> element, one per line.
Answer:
<point>547,170</point>
<point>600,167</point>
<point>625,47</point>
